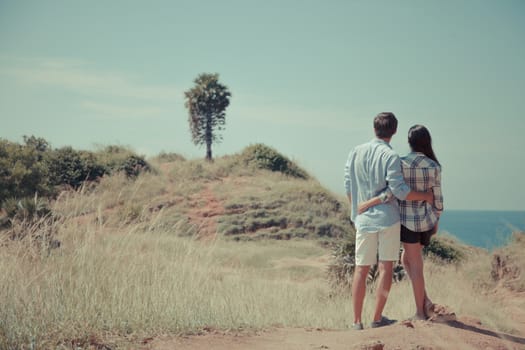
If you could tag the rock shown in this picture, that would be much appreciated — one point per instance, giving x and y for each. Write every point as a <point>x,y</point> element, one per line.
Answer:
<point>377,345</point>
<point>407,323</point>
<point>503,268</point>
<point>442,313</point>
<point>507,264</point>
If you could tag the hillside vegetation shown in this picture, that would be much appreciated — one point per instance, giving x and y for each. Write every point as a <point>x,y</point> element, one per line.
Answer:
<point>193,246</point>
<point>235,196</point>
<point>33,172</point>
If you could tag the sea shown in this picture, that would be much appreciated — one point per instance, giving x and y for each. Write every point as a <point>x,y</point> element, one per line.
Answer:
<point>485,229</point>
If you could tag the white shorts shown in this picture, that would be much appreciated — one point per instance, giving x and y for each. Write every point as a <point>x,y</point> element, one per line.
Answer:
<point>383,244</point>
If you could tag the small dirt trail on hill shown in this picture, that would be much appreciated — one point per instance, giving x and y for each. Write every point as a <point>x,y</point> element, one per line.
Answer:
<point>206,208</point>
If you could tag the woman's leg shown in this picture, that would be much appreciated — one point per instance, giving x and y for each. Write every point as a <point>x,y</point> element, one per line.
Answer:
<point>429,306</point>
<point>425,241</point>
<point>413,262</point>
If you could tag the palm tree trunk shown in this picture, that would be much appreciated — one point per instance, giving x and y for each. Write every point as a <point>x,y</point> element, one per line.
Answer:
<point>208,141</point>
<point>208,151</point>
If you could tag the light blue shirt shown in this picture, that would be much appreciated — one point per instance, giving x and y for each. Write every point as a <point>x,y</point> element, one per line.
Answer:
<point>370,169</point>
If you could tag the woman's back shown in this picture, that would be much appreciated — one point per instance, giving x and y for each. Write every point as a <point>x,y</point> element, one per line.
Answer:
<point>422,174</point>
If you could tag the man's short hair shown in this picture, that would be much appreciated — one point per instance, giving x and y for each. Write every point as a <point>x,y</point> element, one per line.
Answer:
<point>385,125</point>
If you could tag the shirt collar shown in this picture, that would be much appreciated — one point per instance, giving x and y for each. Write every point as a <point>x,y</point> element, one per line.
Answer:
<point>417,154</point>
<point>414,155</point>
<point>377,140</point>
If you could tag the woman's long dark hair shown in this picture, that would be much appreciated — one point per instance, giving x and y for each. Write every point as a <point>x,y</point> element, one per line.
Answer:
<point>420,141</point>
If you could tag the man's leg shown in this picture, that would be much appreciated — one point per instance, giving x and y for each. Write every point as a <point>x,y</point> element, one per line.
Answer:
<point>383,287</point>
<point>359,291</point>
<point>388,249</point>
<point>365,255</point>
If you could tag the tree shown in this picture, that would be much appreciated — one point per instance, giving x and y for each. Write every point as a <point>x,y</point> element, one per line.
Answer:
<point>23,170</point>
<point>38,143</point>
<point>206,103</point>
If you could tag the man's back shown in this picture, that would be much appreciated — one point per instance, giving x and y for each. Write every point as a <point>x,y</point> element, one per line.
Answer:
<point>370,169</point>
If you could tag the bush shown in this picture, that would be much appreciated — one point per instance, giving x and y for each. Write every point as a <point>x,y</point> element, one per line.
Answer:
<point>264,157</point>
<point>34,168</point>
<point>164,157</point>
<point>341,269</point>
<point>342,266</point>
<point>30,217</point>
<point>70,167</point>
<point>444,248</point>
<point>23,169</point>
<point>133,165</point>
<point>121,159</point>
<point>26,208</point>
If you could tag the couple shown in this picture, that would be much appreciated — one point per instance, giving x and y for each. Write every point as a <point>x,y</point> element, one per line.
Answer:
<point>392,199</point>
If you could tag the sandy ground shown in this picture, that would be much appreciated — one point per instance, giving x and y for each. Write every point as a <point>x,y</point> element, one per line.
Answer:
<point>463,333</point>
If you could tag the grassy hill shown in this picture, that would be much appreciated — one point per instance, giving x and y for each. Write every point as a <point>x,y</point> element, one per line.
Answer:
<point>233,197</point>
<point>193,246</point>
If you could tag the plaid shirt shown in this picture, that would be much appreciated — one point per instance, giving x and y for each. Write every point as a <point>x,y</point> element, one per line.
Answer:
<point>421,174</point>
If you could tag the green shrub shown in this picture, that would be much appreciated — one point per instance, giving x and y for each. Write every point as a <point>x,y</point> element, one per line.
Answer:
<point>341,268</point>
<point>133,165</point>
<point>23,169</point>
<point>35,168</point>
<point>264,157</point>
<point>26,208</point>
<point>164,157</point>
<point>37,143</point>
<point>121,159</point>
<point>70,167</point>
<point>445,248</point>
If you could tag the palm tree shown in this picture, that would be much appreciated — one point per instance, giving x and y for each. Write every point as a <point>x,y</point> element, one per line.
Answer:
<point>206,103</point>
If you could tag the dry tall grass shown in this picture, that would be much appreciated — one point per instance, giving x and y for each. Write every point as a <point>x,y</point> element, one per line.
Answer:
<point>128,278</point>
<point>129,282</point>
<point>133,283</point>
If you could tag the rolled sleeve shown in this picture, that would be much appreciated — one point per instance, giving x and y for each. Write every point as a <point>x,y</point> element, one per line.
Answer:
<point>436,189</point>
<point>394,177</point>
<point>347,178</point>
<point>386,196</point>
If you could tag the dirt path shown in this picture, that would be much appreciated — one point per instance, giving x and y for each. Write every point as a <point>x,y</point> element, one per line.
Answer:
<point>204,214</point>
<point>421,335</point>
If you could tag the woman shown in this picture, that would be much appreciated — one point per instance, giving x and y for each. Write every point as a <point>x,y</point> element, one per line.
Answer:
<point>419,220</point>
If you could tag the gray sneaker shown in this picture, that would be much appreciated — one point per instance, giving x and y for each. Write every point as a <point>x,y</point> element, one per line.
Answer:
<point>357,326</point>
<point>384,321</point>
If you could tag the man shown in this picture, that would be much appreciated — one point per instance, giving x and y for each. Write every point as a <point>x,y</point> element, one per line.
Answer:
<point>370,169</point>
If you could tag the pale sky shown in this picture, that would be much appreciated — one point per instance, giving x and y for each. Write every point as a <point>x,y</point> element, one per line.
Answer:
<point>307,77</point>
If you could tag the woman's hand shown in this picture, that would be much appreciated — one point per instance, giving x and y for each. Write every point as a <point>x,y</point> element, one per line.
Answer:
<point>364,206</point>
<point>430,197</point>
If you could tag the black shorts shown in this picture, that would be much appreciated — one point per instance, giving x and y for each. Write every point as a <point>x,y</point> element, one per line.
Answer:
<point>408,236</point>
